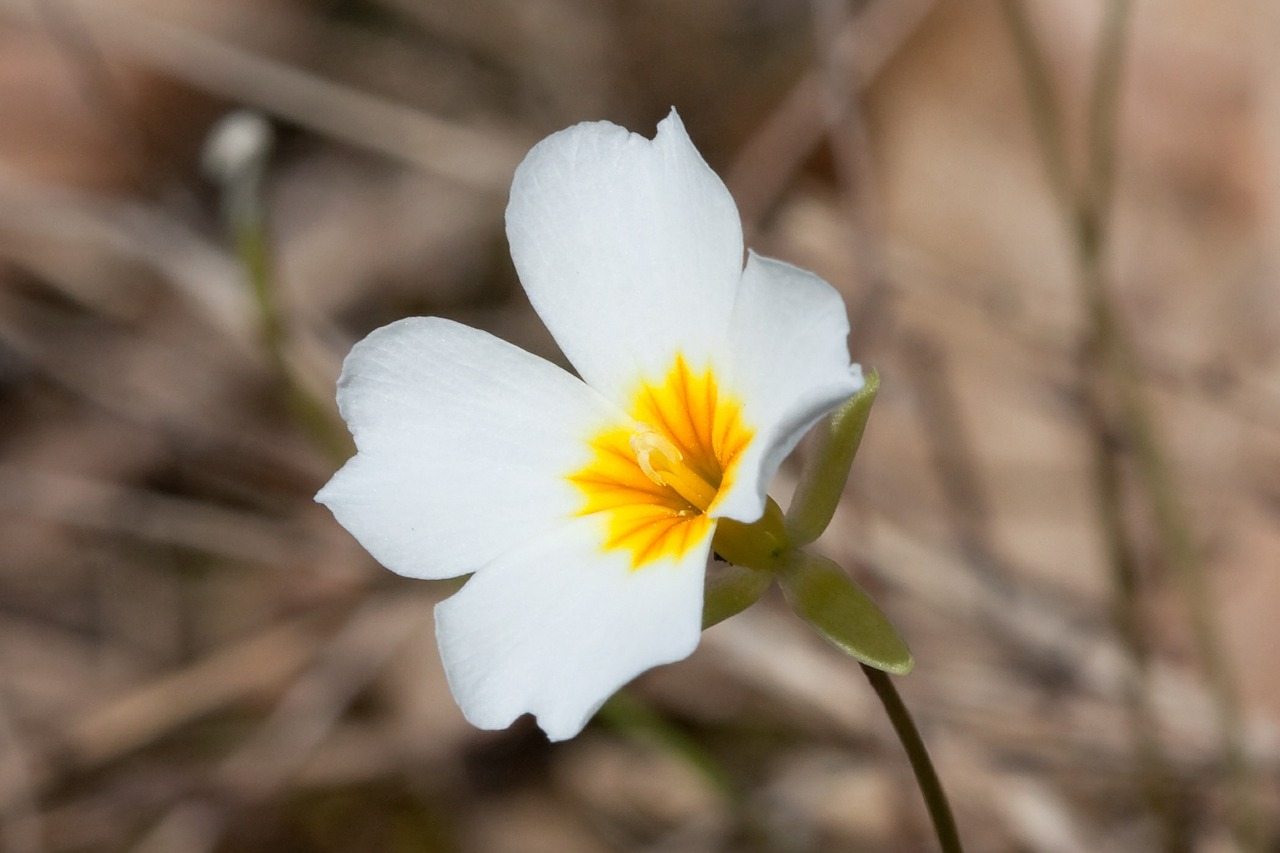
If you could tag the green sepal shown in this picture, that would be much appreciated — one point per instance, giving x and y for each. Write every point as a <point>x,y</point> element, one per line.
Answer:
<point>730,590</point>
<point>827,468</point>
<point>824,596</point>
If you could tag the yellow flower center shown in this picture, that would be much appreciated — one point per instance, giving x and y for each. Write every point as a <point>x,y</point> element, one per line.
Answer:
<point>655,482</point>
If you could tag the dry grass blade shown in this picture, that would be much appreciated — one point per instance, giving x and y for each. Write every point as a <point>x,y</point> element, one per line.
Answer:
<point>476,159</point>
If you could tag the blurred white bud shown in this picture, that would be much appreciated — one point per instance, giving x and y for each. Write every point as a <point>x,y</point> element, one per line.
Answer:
<point>237,147</point>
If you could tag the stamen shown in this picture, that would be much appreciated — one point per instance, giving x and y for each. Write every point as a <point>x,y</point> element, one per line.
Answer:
<point>662,462</point>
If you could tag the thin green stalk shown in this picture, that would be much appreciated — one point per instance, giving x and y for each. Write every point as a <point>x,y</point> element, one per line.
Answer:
<point>253,248</point>
<point>1042,102</point>
<point>1078,207</point>
<point>1171,518</point>
<point>1155,775</point>
<point>1109,353</point>
<point>1184,559</point>
<point>627,713</point>
<point>235,156</point>
<point>1108,73</point>
<point>935,798</point>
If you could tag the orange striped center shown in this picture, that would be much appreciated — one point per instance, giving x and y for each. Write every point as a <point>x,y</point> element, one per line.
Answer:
<point>655,480</point>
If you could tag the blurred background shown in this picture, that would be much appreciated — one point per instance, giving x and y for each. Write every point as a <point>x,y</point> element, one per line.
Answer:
<point>1057,229</point>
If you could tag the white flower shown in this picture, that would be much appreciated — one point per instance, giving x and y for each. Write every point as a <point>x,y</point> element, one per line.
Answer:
<point>586,507</point>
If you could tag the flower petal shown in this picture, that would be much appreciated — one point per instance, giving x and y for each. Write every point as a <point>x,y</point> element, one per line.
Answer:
<point>790,367</point>
<point>630,249</point>
<point>464,445</point>
<point>557,627</point>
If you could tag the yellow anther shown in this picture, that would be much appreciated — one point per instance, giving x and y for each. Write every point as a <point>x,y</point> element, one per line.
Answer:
<point>663,463</point>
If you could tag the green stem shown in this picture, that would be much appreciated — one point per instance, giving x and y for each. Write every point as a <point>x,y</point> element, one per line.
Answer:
<point>1042,102</point>
<point>1109,356</point>
<point>253,248</point>
<point>1173,528</point>
<point>1155,474</point>
<point>1155,775</point>
<point>1103,108</point>
<point>935,798</point>
<point>627,713</point>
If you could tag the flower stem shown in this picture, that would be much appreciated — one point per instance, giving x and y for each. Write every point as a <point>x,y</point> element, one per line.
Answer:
<point>252,245</point>
<point>935,798</point>
<point>1110,362</point>
<point>236,156</point>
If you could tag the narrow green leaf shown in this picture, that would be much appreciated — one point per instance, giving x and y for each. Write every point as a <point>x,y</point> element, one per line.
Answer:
<point>824,596</point>
<point>730,590</point>
<point>824,475</point>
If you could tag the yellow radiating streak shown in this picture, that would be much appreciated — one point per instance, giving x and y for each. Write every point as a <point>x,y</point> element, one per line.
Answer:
<point>653,480</point>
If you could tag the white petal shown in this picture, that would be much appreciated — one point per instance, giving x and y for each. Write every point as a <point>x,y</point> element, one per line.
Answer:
<point>790,367</point>
<point>557,627</point>
<point>464,443</point>
<point>629,249</point>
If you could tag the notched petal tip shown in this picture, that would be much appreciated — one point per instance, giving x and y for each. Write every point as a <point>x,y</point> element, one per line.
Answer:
<point>628,247</point>
<point>672,129</point>
<point>859,377</point>
<point>556,628</point>
<point>456,429</point>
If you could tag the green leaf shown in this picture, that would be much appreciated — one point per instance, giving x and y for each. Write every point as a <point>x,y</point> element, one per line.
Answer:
<point>824,596</point>
<point>825,472</point>
<point>730,590</point>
